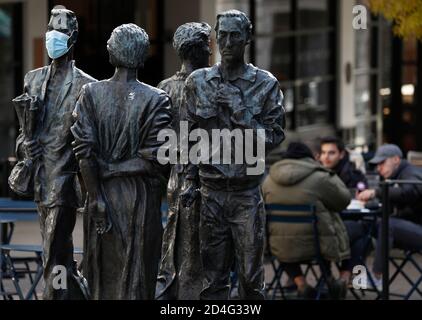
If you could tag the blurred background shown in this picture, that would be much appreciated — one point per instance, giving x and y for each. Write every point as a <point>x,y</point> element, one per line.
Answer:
<point>361,85</point>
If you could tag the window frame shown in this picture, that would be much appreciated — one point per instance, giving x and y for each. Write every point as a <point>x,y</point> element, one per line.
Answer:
<point>295,33</point>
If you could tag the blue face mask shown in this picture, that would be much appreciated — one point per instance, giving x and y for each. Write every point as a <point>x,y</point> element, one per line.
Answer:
<point>56,44</point>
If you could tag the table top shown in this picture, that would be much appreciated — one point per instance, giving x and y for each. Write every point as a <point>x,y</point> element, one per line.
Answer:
<point>14,211</point>
<point>18,210</point>
<point>363,211</point>
<point>17,217</point>
<point>32,248</point>
<point>9,203</point>
<point>360,213</point>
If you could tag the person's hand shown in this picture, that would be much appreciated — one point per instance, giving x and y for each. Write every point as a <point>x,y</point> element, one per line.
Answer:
<point>366,195</point>
<point>33,149</point>
<point>188,196</point>
<point>229,96</point>
<point>97,209</point>
<point>80,150</point>
<point>238,117</point>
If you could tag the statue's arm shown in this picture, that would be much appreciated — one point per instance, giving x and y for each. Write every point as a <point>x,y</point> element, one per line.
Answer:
<point>159,119</point>
<point>187,113</point>
<point>20,149</point>
<point>273,117</point>
<point>83,131</point>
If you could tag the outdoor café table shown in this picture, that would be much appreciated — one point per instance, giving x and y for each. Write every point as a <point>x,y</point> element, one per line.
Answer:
<point>15,211</point>
<point>12,211</point>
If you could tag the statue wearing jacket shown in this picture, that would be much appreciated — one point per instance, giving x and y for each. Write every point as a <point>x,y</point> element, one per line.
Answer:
<point>52,92</point>
<point>116,142</point>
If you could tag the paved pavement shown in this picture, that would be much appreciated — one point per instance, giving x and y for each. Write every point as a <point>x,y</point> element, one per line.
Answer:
<point>28,233</point>
<point>399,286</point>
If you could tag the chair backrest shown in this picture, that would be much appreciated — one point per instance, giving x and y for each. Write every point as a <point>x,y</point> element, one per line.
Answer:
<point>284,215</point>
<point>415,158</point>
<point>309,215</point>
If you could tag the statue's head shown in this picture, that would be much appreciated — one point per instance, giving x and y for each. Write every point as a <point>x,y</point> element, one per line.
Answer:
<point>62,32</point>
<point>128,46</point>
<point>234,31</point>
<point>192,43</point>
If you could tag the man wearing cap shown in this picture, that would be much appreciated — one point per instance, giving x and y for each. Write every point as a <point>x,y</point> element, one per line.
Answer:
<point>406,223</point>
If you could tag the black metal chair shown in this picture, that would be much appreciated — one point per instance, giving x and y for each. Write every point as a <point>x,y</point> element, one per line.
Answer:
<point>14,272</point>
<point>400,262</point>
<point>6,232</point>
<point>278,213</point>
<point>14,269</point>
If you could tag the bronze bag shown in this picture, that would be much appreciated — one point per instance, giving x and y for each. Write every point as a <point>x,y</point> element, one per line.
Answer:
<point>21,179</point>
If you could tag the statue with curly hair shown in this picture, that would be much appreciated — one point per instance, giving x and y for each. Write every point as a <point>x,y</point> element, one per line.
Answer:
<point>117,122</point>
<point>180,275</point>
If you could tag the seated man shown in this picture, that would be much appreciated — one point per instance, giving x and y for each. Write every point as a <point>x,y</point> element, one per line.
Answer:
<point>299,179</point>
<point>406,223</point>
<point>335,157</point>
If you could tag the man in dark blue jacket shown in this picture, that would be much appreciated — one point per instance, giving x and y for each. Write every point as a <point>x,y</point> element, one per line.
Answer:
<point>406,200</point>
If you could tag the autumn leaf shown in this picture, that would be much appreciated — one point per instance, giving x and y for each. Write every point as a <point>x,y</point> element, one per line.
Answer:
<point>405,14</point>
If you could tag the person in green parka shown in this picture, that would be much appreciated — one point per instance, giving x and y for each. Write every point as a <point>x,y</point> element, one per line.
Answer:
<point>299,179</point>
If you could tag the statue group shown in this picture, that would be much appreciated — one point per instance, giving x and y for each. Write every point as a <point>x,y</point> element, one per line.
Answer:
<point>104,137</point>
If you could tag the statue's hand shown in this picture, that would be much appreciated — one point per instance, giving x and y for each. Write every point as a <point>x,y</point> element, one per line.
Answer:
<point>229,96</point>
<point>33,149</point>
<point>238,117</point>
<point>97,208</point>
<point>188,196</point>
<point>80,150</point>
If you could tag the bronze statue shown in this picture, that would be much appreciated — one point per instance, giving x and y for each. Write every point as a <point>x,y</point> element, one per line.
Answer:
<point>180,276</point>
<point>238,97</point>
<point>116,129</point>
<point>47,167</point>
